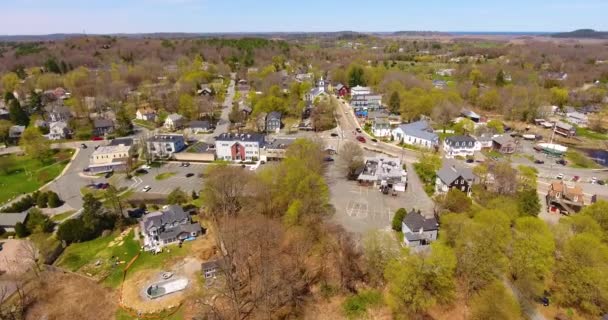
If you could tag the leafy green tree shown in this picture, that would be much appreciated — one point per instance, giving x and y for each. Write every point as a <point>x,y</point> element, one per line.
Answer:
<point>42,200</point>
<point>559,96</point>
<point>452,226</point>
<point>10,81</point>
<point>455,201</point>
<point>394,103</point>
<point>464,126</point>
<point>496,126</point>
<point>532,255</point>
<point>599,212</point>
<point>38,222</point>
<point>124,125</point>
<point>475,76</point>
<point>528,202</point>
<point>581,275</point>
<point>417,282</point>
<point>53,200</point>
<point>500,78</point>
<point>527,177</point>
<point>379,248</point>
<point>72,230</point>
<point>187,107</point>
<point>356,76</point>
<point>17,115</point>
<point>35,144</point>
<point>496,303</point>
<point>398,219</point>
<point>489,100</point>
<point>5,127</point>
<point>292,216</point>
<point>177,196</point>
<point>427,166</point>
<point>21,230</point>
<point>351,159</point>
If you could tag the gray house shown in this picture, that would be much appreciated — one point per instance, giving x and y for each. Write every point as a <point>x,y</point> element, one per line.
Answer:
<point>418,230</point>
<point>168,226</point>
<point>165,145</point>
<point>9,220</point>
<point>273,121</point>
<point>103,126</point>
<point>451,175</point>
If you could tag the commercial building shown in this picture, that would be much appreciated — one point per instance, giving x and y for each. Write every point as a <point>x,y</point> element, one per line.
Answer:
<point>239,147</point>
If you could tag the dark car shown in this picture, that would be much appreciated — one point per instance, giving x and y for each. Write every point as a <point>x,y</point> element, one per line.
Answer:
<point>109,174</point>
<point>562,162</point>
<point>601,182</point>
<point>470,160</point>
<point>141,171</point>
<point>538,161</point>
<point>374,140</point>
<point>328,159</point>
<point>360,139</point>
<point>335,134</point>
<point>358,130</point>
<point>185,164</point>
<point>544,301</point>
<point>83,146</point>
<point>87,169</point>
<point>188,175</point>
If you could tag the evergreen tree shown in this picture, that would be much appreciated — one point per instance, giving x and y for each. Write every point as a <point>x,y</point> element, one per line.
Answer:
<point>17,115</point>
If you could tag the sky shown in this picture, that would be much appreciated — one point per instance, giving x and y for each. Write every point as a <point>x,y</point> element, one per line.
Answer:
<point>24,17</point>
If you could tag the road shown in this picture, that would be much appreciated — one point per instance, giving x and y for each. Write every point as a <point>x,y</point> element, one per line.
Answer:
<point>223,124</point>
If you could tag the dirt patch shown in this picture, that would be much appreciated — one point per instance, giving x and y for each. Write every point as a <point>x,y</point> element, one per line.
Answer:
<point>14,257</point>
<point>133,294</point>
<point>67,296</point>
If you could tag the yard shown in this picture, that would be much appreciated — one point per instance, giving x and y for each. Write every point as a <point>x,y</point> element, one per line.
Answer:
<point>146,124</point>
<point>23,174</point>
<point>164,176</point>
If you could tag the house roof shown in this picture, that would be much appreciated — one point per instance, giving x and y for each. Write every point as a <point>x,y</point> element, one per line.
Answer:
<point>258,137</point>
<point>274,115</point>
<point>11,219</point>
<point>503,139</point>
<point>146,111</point>
<point>280,143</point>
<point>168,215</point>
<point>450,171</point>
<point>453,139</point>
<point>419,129</point>
<point>174,117</point>
<point>415,221</point>
<point>103,123</point>
<point>123,141</point>
<point>16,131</point>
<point>203,124</point>
<point>339,86</point>
<point>564,126</point>
<point>470,114</point>
<point>182,228</point>
<point>166,138</point>
<point>212,264</point>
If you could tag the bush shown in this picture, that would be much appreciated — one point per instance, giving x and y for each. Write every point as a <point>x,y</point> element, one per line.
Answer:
<point>21,230</point>
<point>22,205</point>
<point>38,222</point>
<point>42,200</point>
<point>356,306</point>
<point>72,230</point>
<point>398,218</point>
<point>53,200</point>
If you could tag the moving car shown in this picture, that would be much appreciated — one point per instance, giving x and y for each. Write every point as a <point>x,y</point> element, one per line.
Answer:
<point>109,174</point>
<point>562,162</point>
<point>333,134</point>
<point>146,189</point>
<point>360,139</point>
<point>145,167</point>
<point>575,178</point>
<point>358,130</point>
<point>184,164</point>
<point>539,161</point>
<point>188,175</point>
<point>83,146</point>
<point>141,171</point>
<point>560,176</point>
<point>593,180</point>
<point>374,140</point>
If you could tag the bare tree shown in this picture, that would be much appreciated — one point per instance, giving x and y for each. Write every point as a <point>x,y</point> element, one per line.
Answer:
<point>350,158</point>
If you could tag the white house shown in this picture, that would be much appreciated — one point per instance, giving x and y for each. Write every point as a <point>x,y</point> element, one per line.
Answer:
<point>316,92</point>
<point>577,118</point>
<point>239,147</point>
<point>110,158</point>
<point>58,130</point>
<point>174,121</point>
<point>417,230</point>
<point>417,133</point>
<point>460,146</point>
<point>146,114</point>
<point>165,145</point>
<point>381,127</point>
<point>168,226</point>
<point>360,91</point>
<point>445,72</point>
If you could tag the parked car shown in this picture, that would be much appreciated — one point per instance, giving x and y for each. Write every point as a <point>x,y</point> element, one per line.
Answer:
<point>358,130</point>
<point>575,178</point>
<point>97,138</point>
<point>539,161</point>
<point>328,159</point>
<point>560,176</point>
<point>593,180</point>
<point>109,174</point>
<point>146,189</point>
<point>374,140</point>
<point>562,162</point>
<point>188,175</point>
<point>470,160</point>
<point>360,139</point>
<point>87,169</point>
<point>145,167</point>
<point>184,164</point>
<point>333,134</point>
<point>141,171</point>
<point>544,301</point>
<point>83,146</point>
<point>601,182</point>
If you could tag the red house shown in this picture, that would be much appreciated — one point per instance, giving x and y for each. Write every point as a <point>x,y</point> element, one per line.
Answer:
<point>342,90</point>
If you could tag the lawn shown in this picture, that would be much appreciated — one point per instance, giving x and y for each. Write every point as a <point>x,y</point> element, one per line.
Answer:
<point>121,314</point>
<point>578,160</point>
<point>584,132</point>
<point>60,217</point>
<point>164,176</point>
<point>146,124</point>
<point>24,174</point>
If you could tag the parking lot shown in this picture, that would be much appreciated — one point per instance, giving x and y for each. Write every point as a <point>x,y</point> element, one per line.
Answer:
<point>360,209</point>
<point>177,179</point>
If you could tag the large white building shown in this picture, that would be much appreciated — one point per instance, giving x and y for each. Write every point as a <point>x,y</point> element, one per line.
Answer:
<point>110,158</point>
<point>360,91</point>
<point>165,145</point>
<point>239,147</point>
<point>417,133</point>
<point>460,146</point>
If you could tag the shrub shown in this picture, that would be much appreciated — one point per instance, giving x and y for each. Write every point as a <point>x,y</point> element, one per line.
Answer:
<point>398,218</point>
<point>38,222</point>
<point>21,230</point>
<point>22,205</point>
<point>42,200</point>
<point>357,305</point>
<point>53,200</point>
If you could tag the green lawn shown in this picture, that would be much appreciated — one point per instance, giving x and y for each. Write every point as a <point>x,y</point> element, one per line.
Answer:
<point>25,175</point>
<point>164,176</point>
<point>584,132</point>
<point>146,124</point>
<point>123,315</point>
<point>577,159</point>
<point>60,217</point>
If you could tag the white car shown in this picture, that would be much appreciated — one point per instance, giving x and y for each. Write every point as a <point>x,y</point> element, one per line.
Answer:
<point>560,176</point>
<point>145,166</point>
<point>146,189</point>
<point>593,180</point>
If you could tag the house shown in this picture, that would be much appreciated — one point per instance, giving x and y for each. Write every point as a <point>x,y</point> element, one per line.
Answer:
<point>445,72</point>
<point>55,112</point>
<point>198,127</point>
<point>316,92</point>
<point>471,115</point>
<point>302,77</point>
<point>165,145</point>
<point>462,146</point>
<point>341,90</point>
<point>168,226</point>
<point>417,230</point>
<point>102,126</point>
<point>205,91</point>
<point>366,102</point>
<point>9,220</point>
<point>110,158</point>
<point>383,172</point>
<point>58,130</point>
<point>276,149</point>
<point>242,86</point>
<point>577,118</point>
<point>440,84</point>
<point>239,147</point>
<point>174,121</point>
<point>211,268</point>
<point>564,198</point>
<point>199,152</point>
<point>360,91</point>
<point>486,141</point>
<point>504,144</point>
<point>565,129</point>
<point>417,133</point>
<point>452,175</point>
<point>15,132</point>
<point>146,114</point>
<point>556,76</point>
<point>273,121</point>
<point>381,127</point>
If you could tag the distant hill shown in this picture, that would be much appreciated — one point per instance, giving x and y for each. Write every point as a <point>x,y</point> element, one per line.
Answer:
<point>582,34</point>
<point>420,33</point>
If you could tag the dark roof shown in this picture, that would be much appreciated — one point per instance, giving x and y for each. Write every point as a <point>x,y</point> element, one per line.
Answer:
<point>201,147</point>
<point>453,139</point>
<point>240,137</point>
<point>11,219</point>
<point>204,124</point>
<point>182,228</point>
<point>166,137</point>
<point>169,215</point>
<point>212,264</point>
<point>415,221</point>
<point>503,139</point>
<point>280,143</point>
<point>103,123</point>
<point>274,115</point>
<point>450,171</point>
<point>123,141</point>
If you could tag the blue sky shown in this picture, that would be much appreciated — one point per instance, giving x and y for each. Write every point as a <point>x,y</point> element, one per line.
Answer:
<point>132,16</point>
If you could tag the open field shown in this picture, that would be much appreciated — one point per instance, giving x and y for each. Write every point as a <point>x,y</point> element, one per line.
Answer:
<point>25,175</point>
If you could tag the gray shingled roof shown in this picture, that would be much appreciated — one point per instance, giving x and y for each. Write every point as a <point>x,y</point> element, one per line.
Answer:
<point>11,219</point>
<point>415,221</point>
<point>274,115</point>
<point>169,215</point>
<point>419,129</point>
<point>503,139</point>
<point>453,139</point>
<point>450,171</point>
<point>182,228</point>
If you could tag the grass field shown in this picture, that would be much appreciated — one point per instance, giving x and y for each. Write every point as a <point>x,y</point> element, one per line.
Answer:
<point>584,132</point>
<point>164,176</point>
<point>62,216</point>
<point>146,124</point>
<point>24,174</point>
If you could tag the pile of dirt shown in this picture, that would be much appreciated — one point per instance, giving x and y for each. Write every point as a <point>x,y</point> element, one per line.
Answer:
<point>66,296</point>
